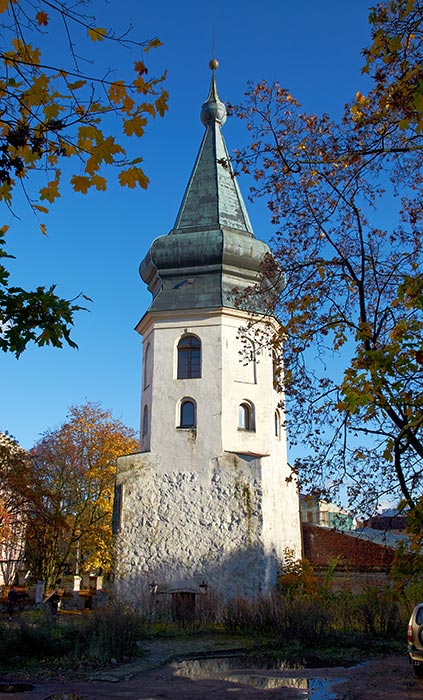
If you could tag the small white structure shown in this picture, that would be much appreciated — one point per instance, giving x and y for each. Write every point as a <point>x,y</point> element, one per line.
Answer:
<point>210,498</point>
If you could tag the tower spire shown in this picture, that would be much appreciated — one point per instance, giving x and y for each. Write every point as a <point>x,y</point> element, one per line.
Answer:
<point>212,200</point>
<point>213,110</point>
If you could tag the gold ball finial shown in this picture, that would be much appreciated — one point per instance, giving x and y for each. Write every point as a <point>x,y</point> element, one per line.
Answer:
<point>214,64</point>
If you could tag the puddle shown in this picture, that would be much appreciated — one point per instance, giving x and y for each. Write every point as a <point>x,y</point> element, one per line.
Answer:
<point>261,672</point>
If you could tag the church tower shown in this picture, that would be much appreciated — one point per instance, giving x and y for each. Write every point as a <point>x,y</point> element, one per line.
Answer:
<point>208,498</point>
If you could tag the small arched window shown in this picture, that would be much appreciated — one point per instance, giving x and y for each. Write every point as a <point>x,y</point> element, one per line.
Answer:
<point>144,431</point>
<point>189,357</point>
<point>277,424</point>
<point>246,416</point>
<point>187,417</point>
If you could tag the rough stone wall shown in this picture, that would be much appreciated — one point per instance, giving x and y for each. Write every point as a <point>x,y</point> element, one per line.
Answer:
<point>178,530</point>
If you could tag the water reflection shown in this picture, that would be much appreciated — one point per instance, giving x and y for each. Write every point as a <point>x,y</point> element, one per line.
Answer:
<point>264,673</point>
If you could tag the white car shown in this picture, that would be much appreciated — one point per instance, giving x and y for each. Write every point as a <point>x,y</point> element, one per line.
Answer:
<point>415,640</point>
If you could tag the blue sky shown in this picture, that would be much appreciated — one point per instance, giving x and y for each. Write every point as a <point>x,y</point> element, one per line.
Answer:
<point>96,242</point>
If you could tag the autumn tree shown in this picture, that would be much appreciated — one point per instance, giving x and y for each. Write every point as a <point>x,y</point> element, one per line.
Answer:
<point>346,198</point>
<point>65,116</point>
<point>74,470</point>
<point>15,497</point>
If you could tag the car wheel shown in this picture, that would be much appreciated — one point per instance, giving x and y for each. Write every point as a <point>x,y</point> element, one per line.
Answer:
<point>418,670</point>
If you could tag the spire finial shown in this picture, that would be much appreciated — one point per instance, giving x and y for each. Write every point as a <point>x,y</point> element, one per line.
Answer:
<point>213,110</point>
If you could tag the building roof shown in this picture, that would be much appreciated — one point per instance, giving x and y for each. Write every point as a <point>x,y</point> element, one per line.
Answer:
<point>211,251</point>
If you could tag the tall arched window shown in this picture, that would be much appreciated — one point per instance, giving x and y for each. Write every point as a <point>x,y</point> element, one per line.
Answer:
<point>189,357</point>
<point>146,373</point>
<point>246,416</point>
<point>277,424</point>
<point>144,431</point>
<point>187,414</point>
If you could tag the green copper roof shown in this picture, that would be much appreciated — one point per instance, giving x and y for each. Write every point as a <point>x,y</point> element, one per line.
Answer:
<point>212,249</point>
<point>212,199</point>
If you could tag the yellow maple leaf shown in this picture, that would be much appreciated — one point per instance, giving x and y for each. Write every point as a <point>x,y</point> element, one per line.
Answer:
<point>141,85</point>
<point>148,107</point>
<point>51,191</point>
<point>77,84</point>
<point>97,33</point>
<point>52,111</point>
<point>43,229</point>
<point>128,105</point>
<point>133,177</point>
<point>4,5</point>
<point>38,207</point>
<point>152,44</point>
<point>100,183</point>
<point>81,183</point>
<point>161,103</point>
<point>117,91</point>
<point>135,126</point>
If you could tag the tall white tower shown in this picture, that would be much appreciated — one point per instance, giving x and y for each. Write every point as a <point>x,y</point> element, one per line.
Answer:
<point>209,498</point>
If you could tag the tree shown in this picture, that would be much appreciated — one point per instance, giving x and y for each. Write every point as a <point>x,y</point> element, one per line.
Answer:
<point>15,495</point>
<point>346,198</point>
<point>58,121</point>
<point>74,471</point>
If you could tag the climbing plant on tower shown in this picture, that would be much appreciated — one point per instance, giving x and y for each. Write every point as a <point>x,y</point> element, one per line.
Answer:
<point>66,116</point>
<point>345,197</point>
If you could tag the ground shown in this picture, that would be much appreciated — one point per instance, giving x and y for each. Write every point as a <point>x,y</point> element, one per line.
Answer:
<point>389,678</point>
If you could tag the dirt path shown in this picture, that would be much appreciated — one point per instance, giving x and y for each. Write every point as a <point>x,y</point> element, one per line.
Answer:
<point>390,678</point>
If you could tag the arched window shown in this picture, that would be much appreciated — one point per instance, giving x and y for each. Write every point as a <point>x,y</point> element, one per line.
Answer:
<point>187,416</point>
<point>276,369</point>
<point>146,373</point>
<point>144,431</point>
<point>189,357</point>
<point>277,424</point>
<point>246,416</point>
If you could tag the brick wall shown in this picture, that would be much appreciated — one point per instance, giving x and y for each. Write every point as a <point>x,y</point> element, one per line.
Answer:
<point>322,546</point>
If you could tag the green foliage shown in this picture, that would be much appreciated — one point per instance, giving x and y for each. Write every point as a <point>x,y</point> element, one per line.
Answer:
<point>39,316</point>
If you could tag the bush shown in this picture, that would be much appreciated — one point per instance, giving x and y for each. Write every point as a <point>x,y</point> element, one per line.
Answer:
<point>112,632</point>
<point>314,618</point>
<point>291,618</point>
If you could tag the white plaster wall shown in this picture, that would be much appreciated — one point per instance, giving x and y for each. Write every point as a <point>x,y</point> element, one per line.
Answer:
<point>212,503</point>
<point>183,528</point>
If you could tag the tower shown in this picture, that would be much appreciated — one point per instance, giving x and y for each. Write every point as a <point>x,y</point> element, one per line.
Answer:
<point>208,498</point>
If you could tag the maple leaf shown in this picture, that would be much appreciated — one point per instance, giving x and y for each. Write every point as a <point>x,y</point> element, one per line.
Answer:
<point>81,183</point>
<point>42,18</point>
<point>140,67</point>
<point>117,91</point>
<point>97,33</point>
<point>153,44</point>
<point>161,103</point>
<point>135,126</point>
<point>51,191</point>
<point>77,84</point>
<point>133,177</point>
